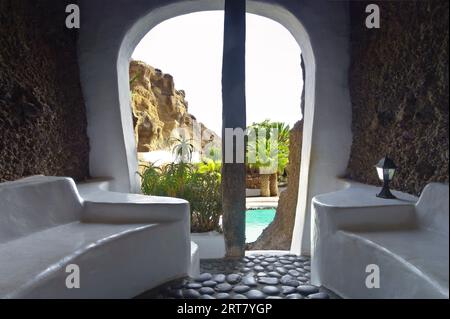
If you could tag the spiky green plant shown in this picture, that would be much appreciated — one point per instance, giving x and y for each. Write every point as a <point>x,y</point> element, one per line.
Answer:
<point>183,149</point>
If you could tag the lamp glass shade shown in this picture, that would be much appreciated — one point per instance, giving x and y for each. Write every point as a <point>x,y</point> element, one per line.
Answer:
<point>390,173</point>
<point>385,172</point>
<point>386,169</point>
<point>380,173</point>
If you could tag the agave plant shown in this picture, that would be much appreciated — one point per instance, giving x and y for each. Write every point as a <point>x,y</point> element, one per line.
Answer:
<point>183,149</point>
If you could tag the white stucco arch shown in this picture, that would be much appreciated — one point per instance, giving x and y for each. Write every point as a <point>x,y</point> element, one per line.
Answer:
<point>111,30</point>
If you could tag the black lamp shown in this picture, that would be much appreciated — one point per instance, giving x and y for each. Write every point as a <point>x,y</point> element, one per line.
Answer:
<point>386,169</point>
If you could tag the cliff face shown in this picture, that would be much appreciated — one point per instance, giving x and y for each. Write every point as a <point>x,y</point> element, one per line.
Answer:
<point>159,109</point>
<point>399,91</point>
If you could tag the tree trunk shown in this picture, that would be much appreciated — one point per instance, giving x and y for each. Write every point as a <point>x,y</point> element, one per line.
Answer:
<point>274,184</point>
<point>264,180</point>
<point>233,116</point>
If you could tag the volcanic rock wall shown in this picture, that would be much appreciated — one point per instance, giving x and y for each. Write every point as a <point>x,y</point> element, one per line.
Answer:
<point>399,90</point>
<point>42,113</point>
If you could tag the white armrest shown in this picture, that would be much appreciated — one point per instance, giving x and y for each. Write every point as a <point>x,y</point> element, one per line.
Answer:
<point>111,207</point>
<point>432,208</point>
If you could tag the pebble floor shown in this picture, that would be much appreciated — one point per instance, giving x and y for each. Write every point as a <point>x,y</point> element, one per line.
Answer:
<point>259,276</point>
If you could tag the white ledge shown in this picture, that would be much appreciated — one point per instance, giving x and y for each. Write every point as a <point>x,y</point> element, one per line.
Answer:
<point>361,195</point>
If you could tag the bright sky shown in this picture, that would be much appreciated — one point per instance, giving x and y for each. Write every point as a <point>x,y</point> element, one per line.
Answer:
<point>189,47</point>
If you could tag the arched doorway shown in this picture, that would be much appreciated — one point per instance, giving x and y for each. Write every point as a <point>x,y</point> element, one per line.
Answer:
<point>188,50</point>
<point>106,45</point>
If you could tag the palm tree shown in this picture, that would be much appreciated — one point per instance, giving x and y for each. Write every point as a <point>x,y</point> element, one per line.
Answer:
<point>274,150</point>
<point>283,132</point>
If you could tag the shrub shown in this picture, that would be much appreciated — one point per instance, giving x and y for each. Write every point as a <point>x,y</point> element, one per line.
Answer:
<point>204,193</point>
<point>169,180</point>
<point>209,166</point>
<point>202,188</point>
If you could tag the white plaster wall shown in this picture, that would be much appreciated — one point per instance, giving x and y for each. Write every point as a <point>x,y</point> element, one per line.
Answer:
<point>111,30</point>
<point>211,245</point>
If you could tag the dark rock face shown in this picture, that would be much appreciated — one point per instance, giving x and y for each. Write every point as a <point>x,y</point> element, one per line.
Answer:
<point>399,91</point>
<point>42,114</point>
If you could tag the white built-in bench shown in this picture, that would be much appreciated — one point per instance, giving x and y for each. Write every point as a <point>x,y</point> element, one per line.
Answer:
<point>406,238</point>
<point>123,244</point>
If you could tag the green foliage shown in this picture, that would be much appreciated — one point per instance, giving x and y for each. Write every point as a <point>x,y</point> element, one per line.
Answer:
<point>203,191</point>
<point>200,185</point>
<point>169,180</point>
<point>283,132</point>
<point>283,157</point>
<point>273,148</point>
<point>210,166</point>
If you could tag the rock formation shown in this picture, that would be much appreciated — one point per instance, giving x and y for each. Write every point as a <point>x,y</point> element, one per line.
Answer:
<point>159,109</point>
<point>278,234</point>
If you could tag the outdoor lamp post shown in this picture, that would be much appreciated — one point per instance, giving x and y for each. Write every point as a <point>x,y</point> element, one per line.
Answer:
<point>386,169</point>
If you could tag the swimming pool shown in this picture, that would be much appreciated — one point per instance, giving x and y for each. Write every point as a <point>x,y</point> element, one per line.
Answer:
<point>256,220</point>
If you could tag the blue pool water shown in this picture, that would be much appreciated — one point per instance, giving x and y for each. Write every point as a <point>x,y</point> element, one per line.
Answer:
<point>256,220</point>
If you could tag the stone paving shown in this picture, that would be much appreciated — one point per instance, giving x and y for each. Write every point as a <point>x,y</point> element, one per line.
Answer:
<point>259,276</point>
